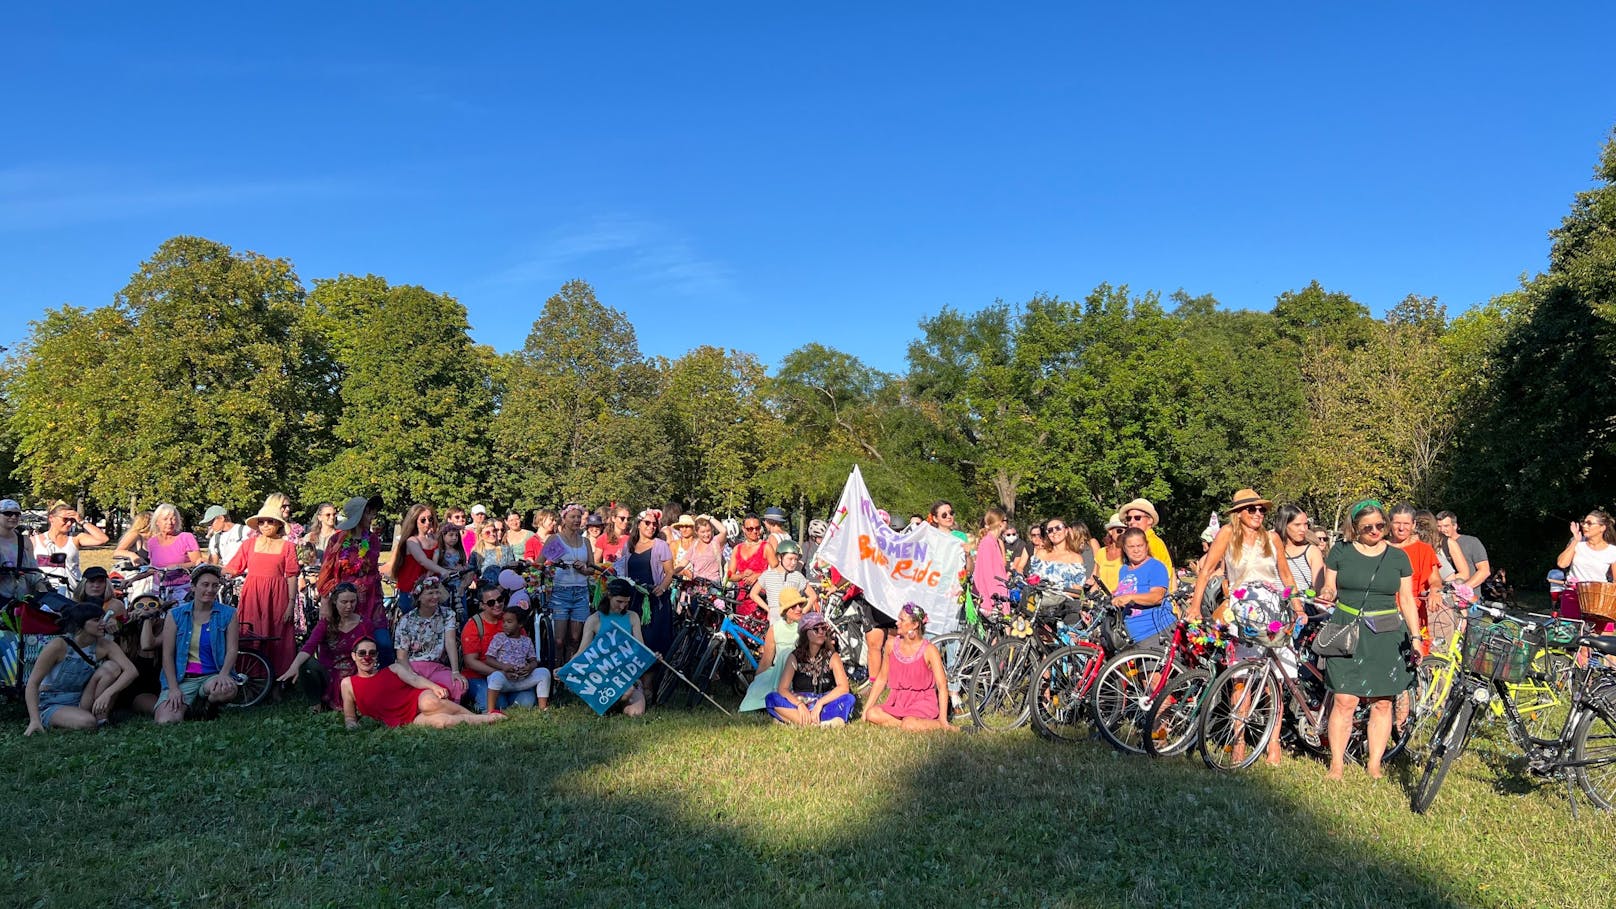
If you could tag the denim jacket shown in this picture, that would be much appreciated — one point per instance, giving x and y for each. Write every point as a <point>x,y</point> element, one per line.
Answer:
<point>218,626</point>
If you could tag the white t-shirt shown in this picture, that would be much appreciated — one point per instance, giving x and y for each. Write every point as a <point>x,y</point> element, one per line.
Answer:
<point>222,546</point>
<point>44,549</point>
<point>1590,564</point>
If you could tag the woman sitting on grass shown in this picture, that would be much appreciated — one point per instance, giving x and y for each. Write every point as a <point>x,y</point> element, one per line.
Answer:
<point>397,696</point>
<point>425,638</point>
<point>77,676</point>
<point>813,688</point>
<point>913,673</point>
<point>615,614</point>
<point>200,641</point>
<point>330,645</point>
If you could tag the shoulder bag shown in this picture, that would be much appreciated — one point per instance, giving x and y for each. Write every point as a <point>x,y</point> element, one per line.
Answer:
<point>1342,640</point>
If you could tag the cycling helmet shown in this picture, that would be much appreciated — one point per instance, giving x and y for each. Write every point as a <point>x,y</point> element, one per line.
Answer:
<point>817,528</point>
<point>788,547</point>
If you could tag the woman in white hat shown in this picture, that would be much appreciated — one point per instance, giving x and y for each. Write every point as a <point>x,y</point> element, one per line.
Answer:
<point>269,561</point>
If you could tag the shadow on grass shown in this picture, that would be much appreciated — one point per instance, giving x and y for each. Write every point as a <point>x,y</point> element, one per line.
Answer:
<point>678,809</point>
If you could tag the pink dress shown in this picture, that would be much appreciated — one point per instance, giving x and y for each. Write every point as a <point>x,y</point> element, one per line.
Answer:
<point>264,598</point>
<point>911,683</point>
<point>988,575</point>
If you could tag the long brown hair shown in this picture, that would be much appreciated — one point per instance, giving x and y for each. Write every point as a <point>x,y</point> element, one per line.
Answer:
<point>406,531</point>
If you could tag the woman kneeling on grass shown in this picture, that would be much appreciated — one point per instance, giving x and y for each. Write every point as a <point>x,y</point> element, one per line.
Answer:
<point>615,614</point>
<point>398,696</point>
<point>78,674</point>
<point>813,689</point>
<point>913,672</point>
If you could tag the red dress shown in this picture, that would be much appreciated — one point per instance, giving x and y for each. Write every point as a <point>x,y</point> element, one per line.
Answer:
<point>264,598</point>
<point>385,697</point>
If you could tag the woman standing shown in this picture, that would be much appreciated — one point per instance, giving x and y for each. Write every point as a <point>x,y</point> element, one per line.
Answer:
<point>1108,561</point>
<point>353,557</point>
<point>270,562</point>
<point>987,573</point>
<point>706,555</point>
<point>609,546</point>
<point>647,561</point>
<point>132,545</point>
<point>1067,560</point>
<point>425,638</point>
<point>415,554</point>
<point>1305,560</point>
<point>813,689</point>
<point>173,553</point>
<point>492,554</point>
<point>319,536</point>
<point>279,505</point>
<point>1427,577</point>
<point>753,555</point>
<point>569,551</point>
<point>544,527</point>
<point>1374,583</point>
<point>913,675</point>
<point>1587,558</point>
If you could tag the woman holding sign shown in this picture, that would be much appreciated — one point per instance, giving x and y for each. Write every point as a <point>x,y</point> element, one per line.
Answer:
<point>615,614</point>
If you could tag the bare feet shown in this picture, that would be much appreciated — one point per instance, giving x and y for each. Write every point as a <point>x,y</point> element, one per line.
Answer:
<point>1334,774</point>
<point>1376,773</point>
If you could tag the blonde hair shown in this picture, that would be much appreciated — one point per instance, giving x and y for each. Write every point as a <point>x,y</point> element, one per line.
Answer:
<point>1237,541</point>
<point>277,500</point>
<point>140,527</point>
<point>164,510</point>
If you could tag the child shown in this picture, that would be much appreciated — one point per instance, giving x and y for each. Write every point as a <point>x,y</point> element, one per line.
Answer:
<point>517,665</point>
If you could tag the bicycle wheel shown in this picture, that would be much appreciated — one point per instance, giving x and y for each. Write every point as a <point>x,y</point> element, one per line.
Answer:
<point>1239,713</point>
<point>706,670</point>
<point>1173,720</point>
<point>962,655</point>
<point>679,657</point>
<point>253,678</point>
<point>1122,694</point>
<point>1432,681</point>
<point>1446,744</point>
<point>1060,687</point>
<point>850,644</point>
<point>1594,741</point>
<point>998,695</point>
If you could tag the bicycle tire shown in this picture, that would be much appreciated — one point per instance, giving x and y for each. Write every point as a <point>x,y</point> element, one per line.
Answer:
<point>1231,720</point>
<point>256,678</point>
<point>679,658</point>
<point>1000,702</point>
<point>1446,746</point>
<point>1060,695</point>
<point>850,631</point>
<point>1597,782</point>
<point>1121,696</point>
<point>962,655</point>
<point>1173,721</point>
<point>705,671</point>
<point>1432,682</point>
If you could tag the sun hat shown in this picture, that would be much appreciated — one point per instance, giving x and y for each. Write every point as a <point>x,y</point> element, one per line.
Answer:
<point>1246,498</point>
<point>1116,522</point>
<point>685,521</point>
<point>790,596</point>
<point>812,620</point>
<point>215,511</point>
<point>267,514</point>
<point>353,511</point>
<point>9,505</point>
<point>1140,505</point>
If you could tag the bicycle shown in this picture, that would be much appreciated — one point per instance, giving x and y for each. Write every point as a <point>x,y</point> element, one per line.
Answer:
<point>1130,681</point>
<point>1582,755</point>
<point>1246,704</point>
<point>253,675</point>
<point>729,652</point>
<point>1009,679</point>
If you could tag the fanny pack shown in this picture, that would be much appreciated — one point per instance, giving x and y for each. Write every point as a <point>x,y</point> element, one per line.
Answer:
<point>1379,621</point>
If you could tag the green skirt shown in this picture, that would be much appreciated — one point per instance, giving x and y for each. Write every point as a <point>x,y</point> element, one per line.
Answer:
<point>1378,669</point>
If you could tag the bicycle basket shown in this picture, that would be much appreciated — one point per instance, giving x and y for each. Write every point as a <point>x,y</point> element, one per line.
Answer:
<point>1498,651</point>
<point>1597,600</point>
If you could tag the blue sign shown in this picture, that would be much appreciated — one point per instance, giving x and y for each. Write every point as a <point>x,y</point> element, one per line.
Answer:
<point>601,674</point>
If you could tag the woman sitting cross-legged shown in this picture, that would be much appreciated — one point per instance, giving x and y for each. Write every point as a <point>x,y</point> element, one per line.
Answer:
<point>425,638</point>
<point>813,689</point>
<point>77,675</point>
<point>913,672</point>
<point>398,696</point>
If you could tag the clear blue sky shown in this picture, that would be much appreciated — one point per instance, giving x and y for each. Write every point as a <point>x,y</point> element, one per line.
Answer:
<point>741,175</point>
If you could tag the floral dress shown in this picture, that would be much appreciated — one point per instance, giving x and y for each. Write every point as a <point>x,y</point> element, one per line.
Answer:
<point>352,557</point>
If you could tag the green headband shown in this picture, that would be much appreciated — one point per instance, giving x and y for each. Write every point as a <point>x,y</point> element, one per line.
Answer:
<point>1362,507</point>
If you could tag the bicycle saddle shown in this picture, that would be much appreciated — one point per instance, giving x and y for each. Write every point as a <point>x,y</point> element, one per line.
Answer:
<point>1605,645</point>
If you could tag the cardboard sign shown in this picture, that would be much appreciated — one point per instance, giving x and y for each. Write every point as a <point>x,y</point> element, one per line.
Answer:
<point>601,674</point>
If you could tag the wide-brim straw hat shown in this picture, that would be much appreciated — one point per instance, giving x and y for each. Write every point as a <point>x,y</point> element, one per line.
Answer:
<point>1140,505</point>
<point>265,514</point>
<point>1246,498</point>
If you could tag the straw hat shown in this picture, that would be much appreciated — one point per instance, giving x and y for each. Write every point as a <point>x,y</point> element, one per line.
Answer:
<point>1140,505</point>
<point>266,514</point>
<point>1246,498</point>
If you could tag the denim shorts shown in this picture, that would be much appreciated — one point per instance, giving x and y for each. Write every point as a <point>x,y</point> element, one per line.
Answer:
<point>50,701</point>
<point>570,604</point>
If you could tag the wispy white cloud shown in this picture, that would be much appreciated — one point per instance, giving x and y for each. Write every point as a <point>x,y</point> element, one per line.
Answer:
<point>38,198</point>
<point>639,249</point>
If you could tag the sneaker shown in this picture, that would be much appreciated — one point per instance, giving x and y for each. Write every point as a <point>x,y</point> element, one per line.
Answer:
<point>833,721</point>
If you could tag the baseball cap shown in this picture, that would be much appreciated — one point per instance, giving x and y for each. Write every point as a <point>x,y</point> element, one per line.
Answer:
<point>214,511</point>
<point>478,509</point>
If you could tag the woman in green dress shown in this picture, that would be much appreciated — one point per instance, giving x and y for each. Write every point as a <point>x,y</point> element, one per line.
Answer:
<point>1370,581</point>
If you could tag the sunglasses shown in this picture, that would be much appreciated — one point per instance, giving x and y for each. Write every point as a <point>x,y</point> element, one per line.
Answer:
<point>647,523</point>
<point>751,528</point>
<point>945,514</point>
<point>1134,518</point>
<point>1256,509</point>
<point>365,654</point>
<point>11,514</point>
<point>621,517</point>
<point>1055,528</point>
<point>1378,527</point>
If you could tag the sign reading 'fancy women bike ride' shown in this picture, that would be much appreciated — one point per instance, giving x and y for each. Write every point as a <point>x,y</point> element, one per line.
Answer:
<point>919,565</point>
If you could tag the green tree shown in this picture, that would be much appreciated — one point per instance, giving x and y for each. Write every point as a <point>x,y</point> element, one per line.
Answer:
<point>1316,317</point>
<point>716,428</point>
<point>417,395</point>
<point>575,420</point>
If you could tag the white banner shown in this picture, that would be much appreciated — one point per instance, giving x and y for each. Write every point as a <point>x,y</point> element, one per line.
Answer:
<point>920,565</point>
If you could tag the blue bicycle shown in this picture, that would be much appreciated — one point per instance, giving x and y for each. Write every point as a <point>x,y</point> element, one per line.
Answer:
<point>730,651</point>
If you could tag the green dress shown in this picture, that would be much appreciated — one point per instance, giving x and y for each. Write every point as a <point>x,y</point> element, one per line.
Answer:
<point>785,640</point>
<point>1379,667</point>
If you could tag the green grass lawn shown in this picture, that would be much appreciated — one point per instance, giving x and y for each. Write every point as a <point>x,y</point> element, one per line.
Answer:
<point>274,807</point>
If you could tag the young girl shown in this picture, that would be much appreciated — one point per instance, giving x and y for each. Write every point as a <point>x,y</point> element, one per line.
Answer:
<point>515,664</point>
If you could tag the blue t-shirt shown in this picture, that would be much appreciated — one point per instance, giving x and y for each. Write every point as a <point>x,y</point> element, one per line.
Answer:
<point>1149,621</point>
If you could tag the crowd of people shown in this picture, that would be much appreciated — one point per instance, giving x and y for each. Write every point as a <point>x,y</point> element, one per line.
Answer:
<point>457,644</point>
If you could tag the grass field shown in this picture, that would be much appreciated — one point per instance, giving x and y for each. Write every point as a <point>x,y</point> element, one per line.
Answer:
<point>274,807</point>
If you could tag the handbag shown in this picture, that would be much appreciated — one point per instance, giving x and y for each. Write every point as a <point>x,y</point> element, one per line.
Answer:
<point>1342,640</point>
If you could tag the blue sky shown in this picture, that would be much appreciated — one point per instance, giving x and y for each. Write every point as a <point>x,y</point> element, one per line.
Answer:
<point>750,176</point>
